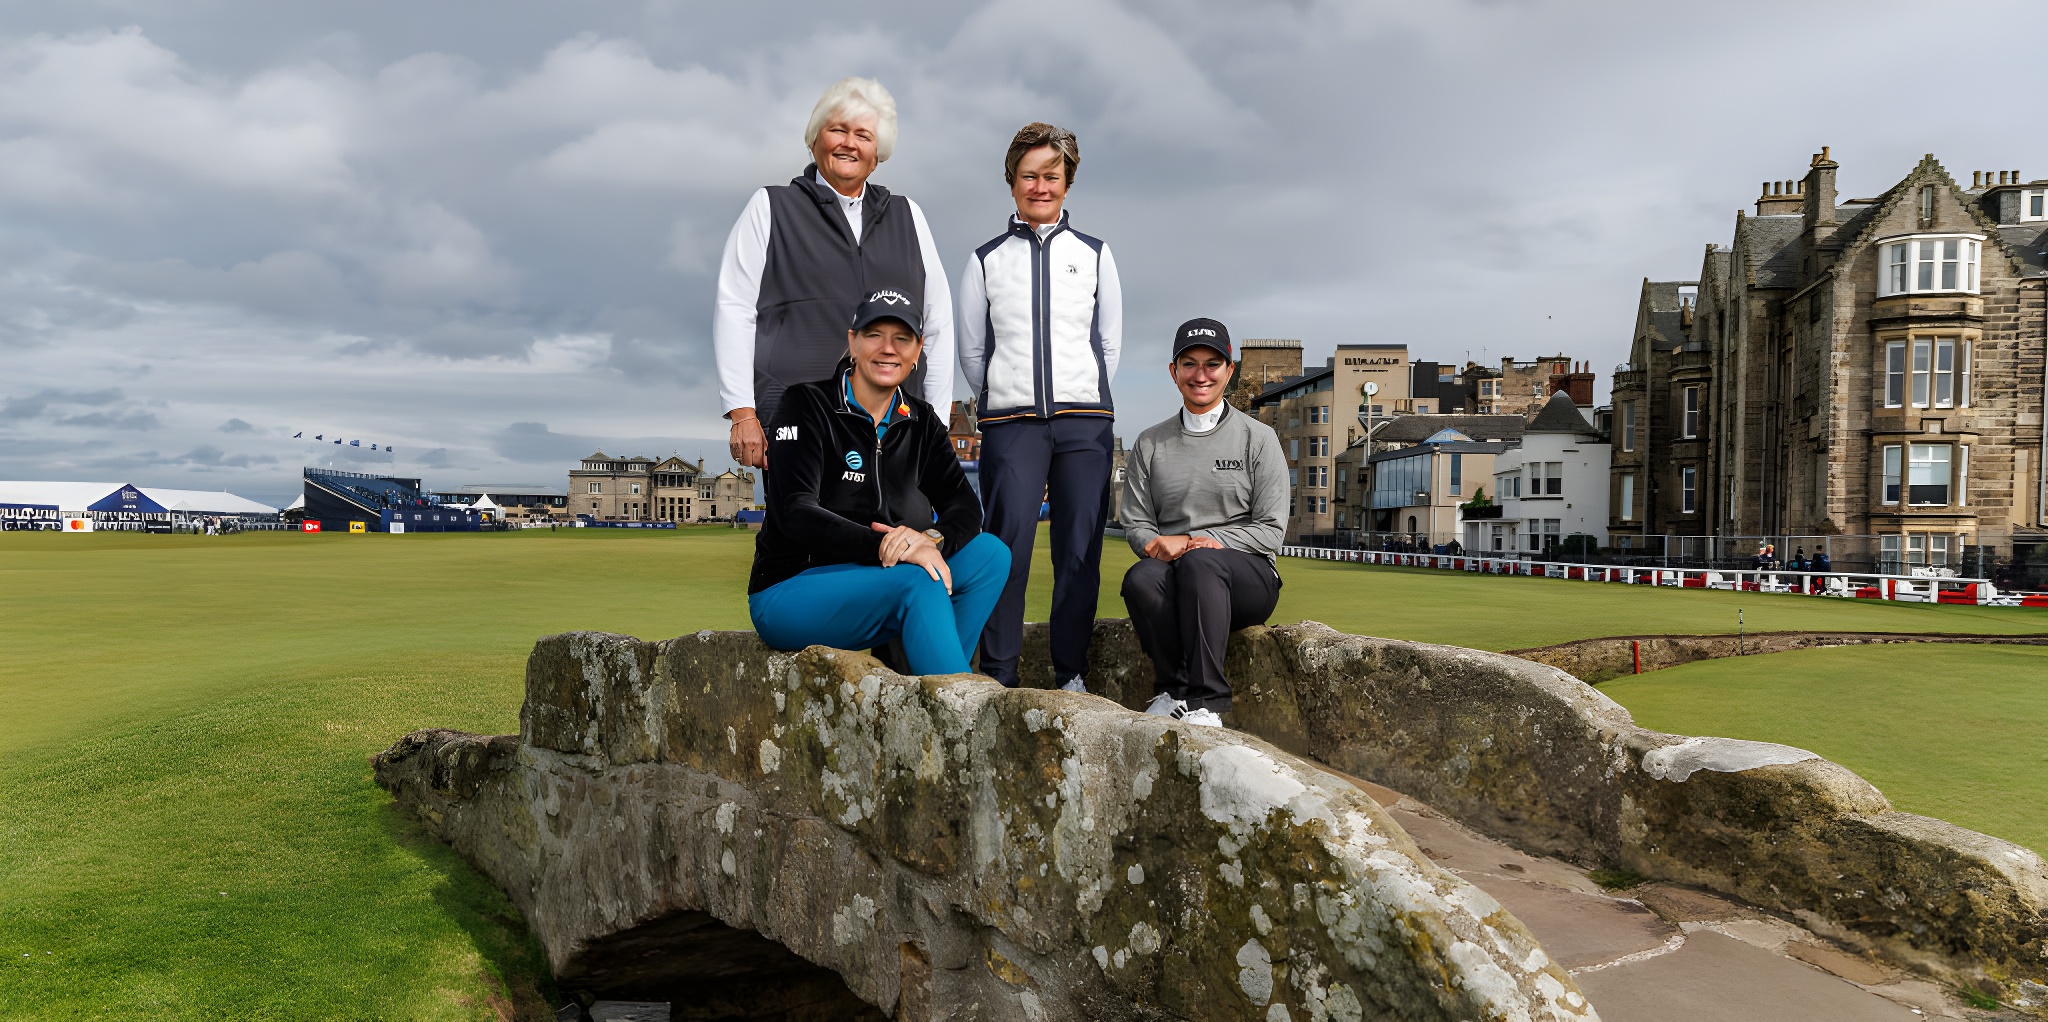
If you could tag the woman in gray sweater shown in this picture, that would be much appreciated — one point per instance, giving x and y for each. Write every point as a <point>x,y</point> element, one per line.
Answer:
<point>1205,507</point>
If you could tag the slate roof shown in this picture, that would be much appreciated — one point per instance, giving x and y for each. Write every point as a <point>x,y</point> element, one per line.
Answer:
<point>1456,447</point>
<point>1414,429</point>
<point>1667,329</point>
<point>1773,254</point>
<point>1286,383</point>
<point>1560,415</point>
<point>2028,241</point>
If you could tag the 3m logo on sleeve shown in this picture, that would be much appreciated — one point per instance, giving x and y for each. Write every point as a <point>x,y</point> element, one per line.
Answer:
<point>1229,464</point>
<point>785,432</point>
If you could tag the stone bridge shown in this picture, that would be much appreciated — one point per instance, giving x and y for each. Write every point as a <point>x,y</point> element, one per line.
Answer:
<point>751,834</point>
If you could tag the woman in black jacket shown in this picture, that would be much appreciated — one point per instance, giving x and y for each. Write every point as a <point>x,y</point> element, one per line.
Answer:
<point>872,532</point>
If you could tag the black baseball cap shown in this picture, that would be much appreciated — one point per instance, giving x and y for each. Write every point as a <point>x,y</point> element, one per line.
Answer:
<point>1203,333</point>
<point>888,303</point>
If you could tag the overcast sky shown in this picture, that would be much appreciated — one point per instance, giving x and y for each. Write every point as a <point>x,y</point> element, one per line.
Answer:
<point>487,233</point>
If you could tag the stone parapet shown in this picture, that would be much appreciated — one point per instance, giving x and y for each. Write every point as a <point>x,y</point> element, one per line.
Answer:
<point>1537,758</point>
<point>953,849</point>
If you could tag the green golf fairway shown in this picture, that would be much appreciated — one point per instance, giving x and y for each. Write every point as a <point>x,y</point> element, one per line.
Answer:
<point>192,832</point>
<point>1954,732</point>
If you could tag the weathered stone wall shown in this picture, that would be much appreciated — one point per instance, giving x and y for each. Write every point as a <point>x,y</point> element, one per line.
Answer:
<point>952,849</point>
<point>1530,755</point>
<point>1597,660</point>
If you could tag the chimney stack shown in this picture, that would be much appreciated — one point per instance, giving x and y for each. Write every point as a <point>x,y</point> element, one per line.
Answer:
<point>1819,207</point>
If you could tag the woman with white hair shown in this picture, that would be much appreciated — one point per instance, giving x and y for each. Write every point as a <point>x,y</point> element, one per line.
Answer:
<point>802,256</point>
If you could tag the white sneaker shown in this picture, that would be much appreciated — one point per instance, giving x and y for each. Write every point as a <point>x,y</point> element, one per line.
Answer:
<point>1165,705</point>
<point>1074,685</point>
<point>1202,718</point>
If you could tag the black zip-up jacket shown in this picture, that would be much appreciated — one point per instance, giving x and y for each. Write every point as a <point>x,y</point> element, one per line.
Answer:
<point>828,480</point>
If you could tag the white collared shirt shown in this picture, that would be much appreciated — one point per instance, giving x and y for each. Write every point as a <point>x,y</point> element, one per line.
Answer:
<point>848,204</point>
<point>1202,423</point>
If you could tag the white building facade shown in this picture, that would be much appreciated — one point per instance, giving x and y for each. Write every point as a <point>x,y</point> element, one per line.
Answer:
<point>1553,487</point>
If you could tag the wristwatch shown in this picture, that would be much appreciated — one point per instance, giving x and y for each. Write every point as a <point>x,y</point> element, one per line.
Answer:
<point>936,536</point>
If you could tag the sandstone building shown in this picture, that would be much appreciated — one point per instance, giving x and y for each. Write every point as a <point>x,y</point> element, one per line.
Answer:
<point>1262,362</point>
<point>1863,366</point>
<point>610,489</point>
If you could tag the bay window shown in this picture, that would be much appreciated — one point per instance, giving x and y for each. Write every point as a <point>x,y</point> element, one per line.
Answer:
<point>1929,264</point>
<point>1927,478</point>
<point>1688,489</point>
<point>1628,425</point>
<point>1936,368</point>
<point>1628,497</point>
<point>1691,425</point>
<point>1892,456</point>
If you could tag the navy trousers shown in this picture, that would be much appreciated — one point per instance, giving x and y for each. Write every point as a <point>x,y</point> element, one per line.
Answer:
<point>1024,463</point>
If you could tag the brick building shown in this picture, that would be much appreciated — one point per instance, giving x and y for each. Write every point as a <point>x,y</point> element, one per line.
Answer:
<point>1523,388</point>
<point>1863,366</point>
<point>964,430</point>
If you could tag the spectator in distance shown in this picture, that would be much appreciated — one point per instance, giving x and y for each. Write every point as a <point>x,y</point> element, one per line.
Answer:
<point>872,534</point>
<point>1205,507</point>
<point>1041,326</point>
<point>803,253</point>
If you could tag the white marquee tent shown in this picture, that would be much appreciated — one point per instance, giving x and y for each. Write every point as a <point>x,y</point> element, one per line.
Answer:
<point>77,498</point>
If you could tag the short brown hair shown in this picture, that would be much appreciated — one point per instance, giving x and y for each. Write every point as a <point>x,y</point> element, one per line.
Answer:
<point>1039,133</point>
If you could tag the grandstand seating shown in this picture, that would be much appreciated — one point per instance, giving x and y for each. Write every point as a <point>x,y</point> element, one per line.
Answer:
<point>335,498</point>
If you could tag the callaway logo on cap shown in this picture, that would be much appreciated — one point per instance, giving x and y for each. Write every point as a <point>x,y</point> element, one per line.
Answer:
<point>888,303</point>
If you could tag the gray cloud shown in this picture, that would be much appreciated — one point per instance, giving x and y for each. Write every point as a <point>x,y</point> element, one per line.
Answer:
<point>209,456</point>
<point>236,426</point>
<point>130,420</point>
<point>36,404</point>
<point>381,221</point>
<point>533,442</point>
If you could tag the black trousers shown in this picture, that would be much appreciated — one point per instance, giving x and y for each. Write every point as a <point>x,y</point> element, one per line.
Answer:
<point>1024,464</point>
<point>1184,611</point>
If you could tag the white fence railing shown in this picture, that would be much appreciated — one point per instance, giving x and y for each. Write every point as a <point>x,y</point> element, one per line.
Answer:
<point>1846,585</point>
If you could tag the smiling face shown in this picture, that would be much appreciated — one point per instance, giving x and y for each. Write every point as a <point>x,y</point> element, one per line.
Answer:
<point>884,352</point>
<point>1041,185</point>
<point>1201,374</point>
<point>845,150</point>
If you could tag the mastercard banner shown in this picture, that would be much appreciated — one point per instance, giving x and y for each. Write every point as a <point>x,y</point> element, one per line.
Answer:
<point>76,523</point>
<point>310,525</point>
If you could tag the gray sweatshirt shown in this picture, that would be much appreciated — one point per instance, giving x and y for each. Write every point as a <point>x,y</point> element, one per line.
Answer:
<point>1229,484</point>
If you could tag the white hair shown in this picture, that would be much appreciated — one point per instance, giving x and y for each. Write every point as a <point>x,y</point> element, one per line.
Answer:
<point>857,97</point>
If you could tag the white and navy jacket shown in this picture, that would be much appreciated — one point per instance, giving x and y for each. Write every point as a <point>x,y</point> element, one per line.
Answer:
<point>1041,323</point>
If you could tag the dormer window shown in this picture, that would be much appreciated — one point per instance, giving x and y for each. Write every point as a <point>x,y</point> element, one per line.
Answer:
<point>1929,263</point>
<point>2034,205</point>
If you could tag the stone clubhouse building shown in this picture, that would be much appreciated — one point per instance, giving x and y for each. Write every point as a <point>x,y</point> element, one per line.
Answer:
<point>1863,366</point>
<point>640,489</point>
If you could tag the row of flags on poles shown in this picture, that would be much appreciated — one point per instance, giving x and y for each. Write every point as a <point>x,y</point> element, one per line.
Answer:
<point>338,441</point>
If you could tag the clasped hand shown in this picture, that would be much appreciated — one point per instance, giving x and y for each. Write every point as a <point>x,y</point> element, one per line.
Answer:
<point>1170,548</point>
<point>905,545</point>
